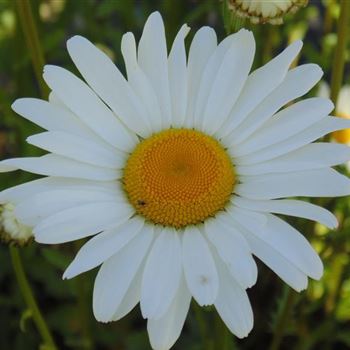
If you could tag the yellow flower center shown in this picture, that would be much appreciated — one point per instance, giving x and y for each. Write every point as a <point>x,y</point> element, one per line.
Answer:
<point>178,177</point>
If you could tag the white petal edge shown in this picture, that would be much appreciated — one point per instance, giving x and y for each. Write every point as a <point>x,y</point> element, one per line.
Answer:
<point>56,165</point>
<point>116,275</point>
<point>198,263</point>
<point>161,277</point>
<point>233,249</point>
<point>164,332</point>
<point>82,221</point>
<point>289,207</point>
<point>178,77</point>
<point>111,86</point>
<point>101,247</point>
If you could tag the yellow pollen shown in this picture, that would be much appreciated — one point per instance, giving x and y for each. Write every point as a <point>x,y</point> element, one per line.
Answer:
<point>342,136</point>
<point>178,177</point>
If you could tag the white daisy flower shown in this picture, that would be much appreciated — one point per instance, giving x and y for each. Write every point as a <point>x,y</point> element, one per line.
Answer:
<point>179,171</point>
<point>265,11</point>
<point>12,230</point>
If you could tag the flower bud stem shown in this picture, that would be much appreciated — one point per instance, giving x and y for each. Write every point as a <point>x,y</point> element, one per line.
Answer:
<point>30,31</point>
<point>30,300</point>
<point>339,55</point>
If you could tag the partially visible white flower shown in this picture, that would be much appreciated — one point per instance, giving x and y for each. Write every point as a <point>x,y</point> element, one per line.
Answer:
<point>265,11</point>
<point>12,230</point>
<point>342,109</point>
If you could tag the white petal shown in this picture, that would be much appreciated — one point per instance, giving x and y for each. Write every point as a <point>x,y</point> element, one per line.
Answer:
<point>311,156</point>
<point>321,128</point>
<point>288,122</point>
<point>233,304</point>
<point>208,76</point>
<point>46,203</point>
<point>140,83</point>
<point>235,67</point>
<point>79,148</point>
<point>108,83</point>
<point>116,275</point>
<point>164,332</point>
<point>82,221</point>
<point>162,274</point>
<point>78,97</point>
<point>200,271</point>
<point>233,249</point>
<point>55,165</point>
<point>290,243</point>
<point>51,117</point>
<point>310,183</point>
<point>203,45</point>
<point>101,247</point>
<point>21,192</point>
<point>178,77</point>
<point>290,207</point>
<point>269,76</point>
<point>273,258</point>
<point>297,82</point>
<point>132,296</point>
<point>153,60</point>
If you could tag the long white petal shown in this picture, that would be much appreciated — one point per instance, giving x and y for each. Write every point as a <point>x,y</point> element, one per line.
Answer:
<point>178,77</point>
<point>140,83</point>
<point>162,274</point>
<point>86,105</point>
<point>287,123</point>
<point>200,271</point>
<point>203,45</point>
<point>51,117</point>
<point>153,60</point>
<point>42,204</point>
<point>101,247</point>
<point>79,148</point>
<point>290,207</point>
<point>310,183</point>
<point>111,86</point>
<point>232,303</point>
<point>321,128</point>
<point>311,156</point>
<point>55,165</point>
<point>164,332</point>
<point>22,192</point>
<point>208,75</point>
<point>290,243</point>
<point>116,275</point>
<point>269,76</point>
<point>272,257</point>
<point>233,249</point>
<point>235,66</point>
<point>78,222</point>
<point>297,82</point>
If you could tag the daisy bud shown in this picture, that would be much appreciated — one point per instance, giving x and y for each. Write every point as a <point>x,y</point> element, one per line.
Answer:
<point>12,230</point>
<point>265,11</point>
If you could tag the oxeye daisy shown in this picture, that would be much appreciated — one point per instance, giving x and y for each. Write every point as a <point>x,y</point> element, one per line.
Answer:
<point>12,230</point>
<point>265,11</point>
<point>178,172</point>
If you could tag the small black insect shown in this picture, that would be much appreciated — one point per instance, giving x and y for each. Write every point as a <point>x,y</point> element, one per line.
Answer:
<point>141,202</point>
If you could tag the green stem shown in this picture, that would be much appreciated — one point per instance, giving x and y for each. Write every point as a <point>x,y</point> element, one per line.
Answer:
<point>30,300</point>
<point>339,55</point>
<point>199,314</point>
<point>83,306</point>
<point>224,339</point>
<point>282,320</point>
<point>30,32</point>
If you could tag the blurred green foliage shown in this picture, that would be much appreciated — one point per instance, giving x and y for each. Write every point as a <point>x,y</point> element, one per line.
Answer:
<point>320,317</point>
